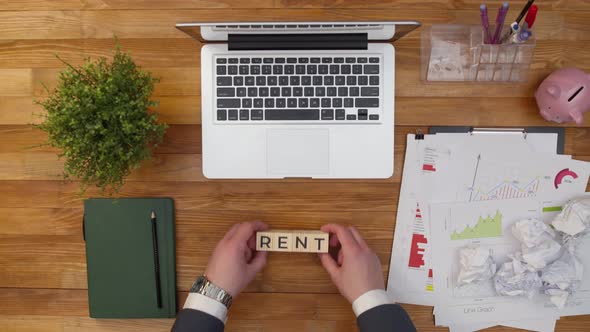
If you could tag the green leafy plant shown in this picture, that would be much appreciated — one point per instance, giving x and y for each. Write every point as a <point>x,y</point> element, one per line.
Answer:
<point>99,117</point>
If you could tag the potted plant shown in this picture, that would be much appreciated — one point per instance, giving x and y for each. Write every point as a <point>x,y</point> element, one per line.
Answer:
<point>99,117</point>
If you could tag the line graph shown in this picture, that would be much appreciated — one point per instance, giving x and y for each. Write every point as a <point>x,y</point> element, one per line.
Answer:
<point>492,181</point>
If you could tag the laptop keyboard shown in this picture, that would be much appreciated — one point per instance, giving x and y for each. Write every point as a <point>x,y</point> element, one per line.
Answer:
<point>324,89</point>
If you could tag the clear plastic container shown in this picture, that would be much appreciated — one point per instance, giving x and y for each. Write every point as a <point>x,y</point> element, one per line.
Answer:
<point>451,52</point>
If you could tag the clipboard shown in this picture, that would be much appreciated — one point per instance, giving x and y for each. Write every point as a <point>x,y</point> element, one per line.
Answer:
<point>523,131</point>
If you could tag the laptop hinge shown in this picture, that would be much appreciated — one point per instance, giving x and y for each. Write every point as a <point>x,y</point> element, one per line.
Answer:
<point>323,41</point>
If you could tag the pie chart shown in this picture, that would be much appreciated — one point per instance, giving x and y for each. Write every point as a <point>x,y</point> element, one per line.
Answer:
<point>561,175</point>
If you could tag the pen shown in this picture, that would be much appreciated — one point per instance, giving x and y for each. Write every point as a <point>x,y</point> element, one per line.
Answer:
<point>500,22</point>
<point>156,260</point>
<point>524,11</point>
<point>531,15</point>
<point>485,23</point>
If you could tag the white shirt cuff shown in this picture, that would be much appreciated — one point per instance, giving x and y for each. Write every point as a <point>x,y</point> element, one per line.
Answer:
<point>207,305</point>
<point>370,300</point>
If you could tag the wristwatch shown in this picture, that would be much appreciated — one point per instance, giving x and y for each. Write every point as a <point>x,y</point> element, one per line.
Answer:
<point>204,287</point>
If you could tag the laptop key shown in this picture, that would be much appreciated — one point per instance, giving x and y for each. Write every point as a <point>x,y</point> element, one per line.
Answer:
<point>232,70</point>
<point>255,70</point>
<point>232,115</point>
<point>260,80</point>
<point>247,103</point>
<point>266,69</point>
<point>232,60</point>
<point>334,69</point>
<point>361,60</point>
<point>224,81</point>
<point>268,60</point>
<point>228,103</point>
<point>269,103</point>
<point>351,117</point>
<point>252,92</point>
<point>363,80</point>
<point>283,80</point>
<point>370,91</point>
<point>357,69</point>
<point>221,70</point>
<point>323,69</point>
<point>328,80</point>
<point>294,80</point>
<point>286,92</point>
<point>320,91</point>
<point>291,102</point>
<point>292,114</point>
<point>275,92</point>
<point>315,60</point>
<point>244,70</point>
<point>312,69</point>
<point>221,60</point>
<point>300,69</point>
<point>314,102</point>
<point>291,60</point>
<point>353,91</point>
<point>348,102</point>
<point>342,91</point>
<point>241,92</point>
<point>256,60</point>
<point>338,60</point>
<point>308,91</point>
<point>271,80</point>
<point>331,91</point>
<point>221,115</point>
<point>346,70</point>
<point>256,115</point>
<point>244,60</point>
<point>249,80</point>
<point>373,80</point>
<point>326,60</point>
<point>366,102</point>
<point>238,80</point>
<point>374,117</point>
<point>317,80</point>
<point>244,115</point>
<point>340,114</point>
<point>297,91</point>
<point>371,69</point>
<point>263,92</point>
<point>226,92</point>
<point>303,60</point>
<point>281,102</point>
<point>351,80</point>
<point>279,60</point>
<point>340,80</point>
<point>305,80</point>
<point>258,102</point>
<point>350,60</point>
<point>303,102</point>
<point>327,114</point>
<point>277,70</point>
<point>326,102</point>
<point>373,60</point>
<point>337,102</point>
<point>289,69</point>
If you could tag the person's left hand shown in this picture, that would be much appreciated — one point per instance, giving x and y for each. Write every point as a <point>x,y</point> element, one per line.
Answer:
<point>234,262</point>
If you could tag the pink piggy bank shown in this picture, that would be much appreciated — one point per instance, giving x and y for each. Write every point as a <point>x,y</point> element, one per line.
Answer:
<point>564,95</point>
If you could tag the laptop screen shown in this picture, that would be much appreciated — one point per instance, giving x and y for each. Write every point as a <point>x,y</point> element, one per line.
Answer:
<point>376,31</point>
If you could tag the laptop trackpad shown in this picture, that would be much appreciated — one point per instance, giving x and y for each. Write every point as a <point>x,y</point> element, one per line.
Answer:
<point>298,152</point>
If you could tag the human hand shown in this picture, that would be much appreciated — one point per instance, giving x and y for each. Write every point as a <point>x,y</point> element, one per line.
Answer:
<point>234,262</point>
<point>357,269</point>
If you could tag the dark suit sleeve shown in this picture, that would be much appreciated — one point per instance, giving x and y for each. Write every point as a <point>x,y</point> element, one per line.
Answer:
<point>385,318</point>
<point>189,320</point>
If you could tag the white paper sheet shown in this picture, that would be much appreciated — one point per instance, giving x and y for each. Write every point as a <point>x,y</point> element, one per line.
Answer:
<point>410,277</point>
<point>486,223</point>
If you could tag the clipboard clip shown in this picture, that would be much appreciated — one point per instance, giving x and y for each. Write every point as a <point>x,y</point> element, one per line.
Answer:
<point>419,134</point>
<point>476,130</point>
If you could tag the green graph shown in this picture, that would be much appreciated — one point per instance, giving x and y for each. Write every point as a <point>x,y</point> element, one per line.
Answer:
<point>485,227</point>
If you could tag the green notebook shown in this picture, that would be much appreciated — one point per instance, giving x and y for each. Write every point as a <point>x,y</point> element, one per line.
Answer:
<point>120,257</point>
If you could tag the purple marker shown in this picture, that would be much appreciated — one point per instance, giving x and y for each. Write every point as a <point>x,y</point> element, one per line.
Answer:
<point>485,23</point>
<point>500,22</point>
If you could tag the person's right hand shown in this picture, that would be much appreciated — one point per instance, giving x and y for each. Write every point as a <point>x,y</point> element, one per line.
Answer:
<point>357,269</point>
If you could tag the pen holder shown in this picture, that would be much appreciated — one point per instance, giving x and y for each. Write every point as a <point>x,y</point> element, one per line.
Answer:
<point>451,52</point>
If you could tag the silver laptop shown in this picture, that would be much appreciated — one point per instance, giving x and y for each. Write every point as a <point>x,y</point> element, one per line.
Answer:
<point>298,99</point>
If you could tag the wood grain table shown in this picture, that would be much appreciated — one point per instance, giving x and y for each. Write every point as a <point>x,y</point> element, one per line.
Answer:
<point>42,261</point>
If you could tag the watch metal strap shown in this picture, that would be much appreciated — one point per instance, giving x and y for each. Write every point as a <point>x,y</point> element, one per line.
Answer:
<point>204,287</point>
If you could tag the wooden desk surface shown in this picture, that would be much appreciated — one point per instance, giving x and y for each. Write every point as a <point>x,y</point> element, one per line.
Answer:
<point>42,262</point>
